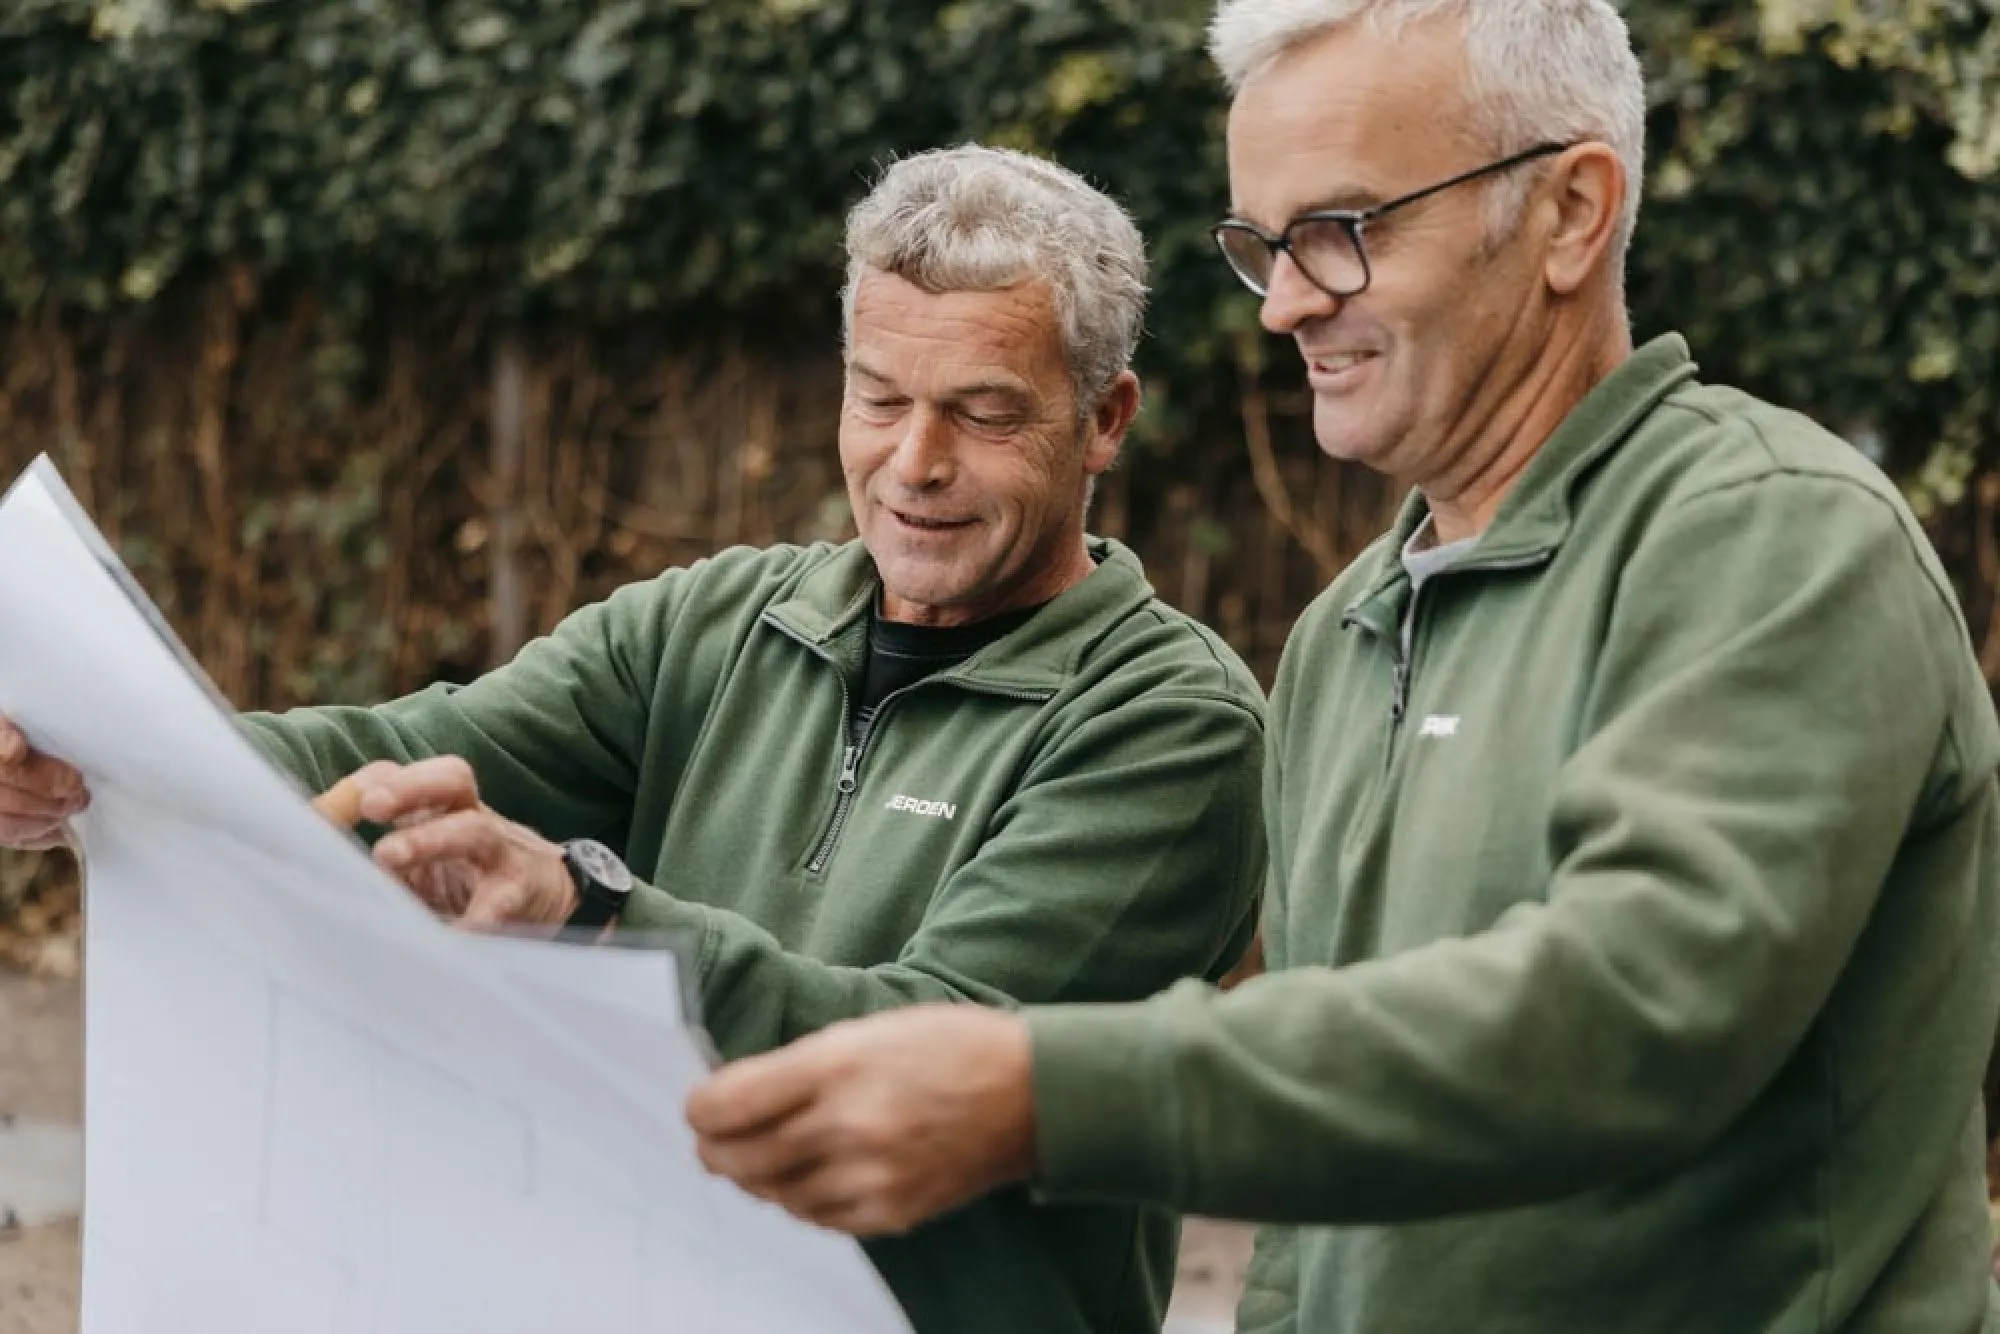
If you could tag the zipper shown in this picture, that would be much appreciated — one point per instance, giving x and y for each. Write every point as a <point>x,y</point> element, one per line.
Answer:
<point>849,781</point>
<point>850,763</point>
<point>1403,649</point>
<point>850,769</point>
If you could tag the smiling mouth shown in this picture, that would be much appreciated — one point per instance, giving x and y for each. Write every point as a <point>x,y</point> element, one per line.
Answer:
<point>927,524</point>
<point>1337,362</point>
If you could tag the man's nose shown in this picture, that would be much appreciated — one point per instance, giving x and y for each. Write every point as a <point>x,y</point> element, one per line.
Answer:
<point>925,457</point>
<point>1290,299</point>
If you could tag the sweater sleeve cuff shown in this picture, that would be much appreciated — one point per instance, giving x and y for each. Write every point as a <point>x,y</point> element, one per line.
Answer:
<point>1106,1118</point>
<point>651,911</point>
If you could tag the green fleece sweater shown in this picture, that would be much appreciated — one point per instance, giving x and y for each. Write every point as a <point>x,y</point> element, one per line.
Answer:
<point>1635,939</point>
<point>1070,814</point>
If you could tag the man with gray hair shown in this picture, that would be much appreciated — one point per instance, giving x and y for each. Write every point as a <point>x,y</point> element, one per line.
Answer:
<point>1634,829</point>
<point>969,757</point>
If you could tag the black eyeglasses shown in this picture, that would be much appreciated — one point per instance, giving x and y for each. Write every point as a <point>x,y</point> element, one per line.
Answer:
<point>1326,244</point>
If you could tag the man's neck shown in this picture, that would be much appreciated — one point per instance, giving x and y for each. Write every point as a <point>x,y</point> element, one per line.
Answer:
<point>1464,498</point>
<point>1053,578</point>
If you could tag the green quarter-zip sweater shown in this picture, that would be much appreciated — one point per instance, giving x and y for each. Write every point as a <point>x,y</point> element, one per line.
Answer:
<point>1069,814</point>
<point>1635,933</point>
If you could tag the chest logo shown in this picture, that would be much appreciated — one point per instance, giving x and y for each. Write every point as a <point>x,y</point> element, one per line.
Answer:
<point>940,810</point>
<point>1439,725</point>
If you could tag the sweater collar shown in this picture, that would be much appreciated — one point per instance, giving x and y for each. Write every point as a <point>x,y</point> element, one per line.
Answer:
<point>829,612</point>
<point>1537,514</point>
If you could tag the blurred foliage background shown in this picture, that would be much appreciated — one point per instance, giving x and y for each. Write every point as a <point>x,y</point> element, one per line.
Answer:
<point>379,333</point>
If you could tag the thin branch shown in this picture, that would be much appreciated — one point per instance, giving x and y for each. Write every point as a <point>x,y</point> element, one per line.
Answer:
<point>1270,480</point>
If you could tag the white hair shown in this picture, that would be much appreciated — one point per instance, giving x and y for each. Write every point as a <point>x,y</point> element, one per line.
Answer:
<point>1540,71</point>
<point>978,219</point>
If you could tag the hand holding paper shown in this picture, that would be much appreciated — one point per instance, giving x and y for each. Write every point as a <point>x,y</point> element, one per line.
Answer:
<point>38,793</point>
<point>874,1125</point>
<point>466,862</point>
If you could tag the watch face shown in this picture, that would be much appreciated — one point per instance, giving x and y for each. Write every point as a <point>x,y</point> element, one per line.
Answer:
<point>602,865</point>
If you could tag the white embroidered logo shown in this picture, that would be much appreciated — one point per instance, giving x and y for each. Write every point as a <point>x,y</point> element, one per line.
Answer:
<point>1439,724</point>
<point>944,810</point>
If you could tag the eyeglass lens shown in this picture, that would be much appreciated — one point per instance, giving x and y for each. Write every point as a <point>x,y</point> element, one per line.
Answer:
<point>1324,249</point>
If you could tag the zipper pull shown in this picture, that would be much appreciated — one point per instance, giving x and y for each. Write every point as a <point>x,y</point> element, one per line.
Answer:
<point>848,757</point>
<point>1400,684</point>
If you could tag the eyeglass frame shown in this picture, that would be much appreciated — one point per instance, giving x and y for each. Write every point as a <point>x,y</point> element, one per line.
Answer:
<point>1356,222</point>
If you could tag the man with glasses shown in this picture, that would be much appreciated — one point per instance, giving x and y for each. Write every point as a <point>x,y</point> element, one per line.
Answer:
<point>1633,911</point>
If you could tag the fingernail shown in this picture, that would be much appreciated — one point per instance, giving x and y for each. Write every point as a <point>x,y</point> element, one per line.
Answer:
<point>390,854</point>
<point>375,804</point>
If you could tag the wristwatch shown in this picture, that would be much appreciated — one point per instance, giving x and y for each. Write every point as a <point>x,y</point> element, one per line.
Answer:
<point>602,884</point>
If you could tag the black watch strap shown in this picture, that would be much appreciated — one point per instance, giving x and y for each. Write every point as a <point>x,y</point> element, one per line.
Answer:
<point>602,884</point>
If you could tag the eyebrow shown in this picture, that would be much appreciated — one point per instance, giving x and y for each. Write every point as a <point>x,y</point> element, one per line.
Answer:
<point>1352,199</point>
<point>1007,389</point>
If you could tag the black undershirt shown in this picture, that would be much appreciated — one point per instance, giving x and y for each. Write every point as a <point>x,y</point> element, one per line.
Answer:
<point>900,654</point>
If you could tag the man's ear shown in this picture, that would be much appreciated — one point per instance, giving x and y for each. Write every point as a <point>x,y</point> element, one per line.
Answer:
<point>1104,434</point>
<point>1589,192</point>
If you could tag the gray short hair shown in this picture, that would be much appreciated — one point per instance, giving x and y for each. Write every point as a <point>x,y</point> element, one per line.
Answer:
<point>1541,71</point>
<point>977,219</point>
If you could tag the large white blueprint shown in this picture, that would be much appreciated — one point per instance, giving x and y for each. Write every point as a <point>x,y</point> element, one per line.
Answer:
<point>313,1109</point>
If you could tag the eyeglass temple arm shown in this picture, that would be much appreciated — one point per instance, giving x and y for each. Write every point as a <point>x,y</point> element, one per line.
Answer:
<point>1390,206</point>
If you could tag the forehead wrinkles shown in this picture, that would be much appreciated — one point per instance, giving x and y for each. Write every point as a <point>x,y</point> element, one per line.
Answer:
<point>906,335</point>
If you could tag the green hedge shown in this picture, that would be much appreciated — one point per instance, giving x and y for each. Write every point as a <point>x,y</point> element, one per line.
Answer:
<point>1824,220</point>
